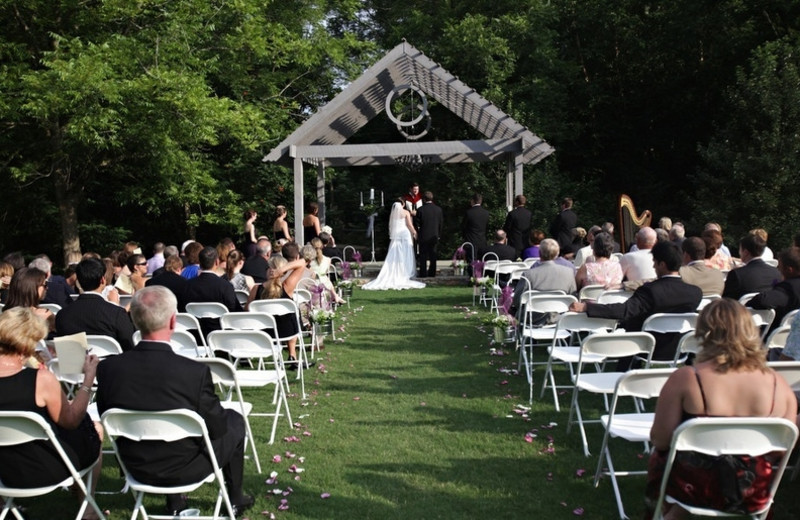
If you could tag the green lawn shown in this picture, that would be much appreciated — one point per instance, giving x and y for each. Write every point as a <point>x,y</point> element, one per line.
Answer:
<point>409,416</point>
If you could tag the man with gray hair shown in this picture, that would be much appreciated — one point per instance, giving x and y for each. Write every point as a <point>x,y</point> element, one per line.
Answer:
<point>156,261</point>
<point>58,290</point>
<point>547,275</point>
<point>151,377</point>
<point>677,233</point>
<point>256,266</point>
<point>637,266</point>
<point>585,253</point>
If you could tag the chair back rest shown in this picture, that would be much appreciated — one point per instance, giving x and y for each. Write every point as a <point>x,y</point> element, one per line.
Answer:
<point>743,299</point>
<point>772,262</point>
<point>301,296</point>
<point>664,322</point>
<point>103,346</point>
<point>344,252</point>
<point>490,257</point>
<point>530,261</point>
<point>580,322</point>
<point>125,299</point>
<point>705,300</point>
<point>591,292</point>
<point>243,343</point>
<point>777,338</point>
<point>276,307</point>
<point>643,383</point>
<point>22,427</point>
<point>168,425</point>
<point>52,307</point>
<point>787,319</point>
<point>762,318</point>
<point>614,296</point>
<point>307,283</point>
<point>619,344</point>
<point>247,321</point>
<point>242,296</point>
<point>688,344</point>
<point>516,274</point>
<point>789,370</point>
<point>186,321</point>
<point>206,309</point>
<point>539,301</point>
<point>184,344</point>
<point>222,371</point>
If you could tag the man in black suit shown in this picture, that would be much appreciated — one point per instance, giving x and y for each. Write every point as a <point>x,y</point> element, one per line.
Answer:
<point>753,277</point>
<point>518,225</point>
<point>473,227</point>
<point>170,277</point>
<point>562,226</point>
<point>151,377</point>
<point>209,287</point>
<point>256,266</point>
<point>668,293</point>
<point>501,247</point>
<point>93,314</point>
<point>785,296</point>
<point>430,220</point>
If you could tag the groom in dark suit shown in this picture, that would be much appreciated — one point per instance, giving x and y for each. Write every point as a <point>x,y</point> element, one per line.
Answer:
<point>151,377</point>
<point>474,225</point>
<point>430,219</point>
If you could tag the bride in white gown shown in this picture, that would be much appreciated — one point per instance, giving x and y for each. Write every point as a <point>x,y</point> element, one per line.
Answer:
<point>399,266</point>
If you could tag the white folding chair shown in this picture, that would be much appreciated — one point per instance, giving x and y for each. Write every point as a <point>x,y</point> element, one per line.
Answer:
<point>777,340</point>
<point>167,426</point>
<point>669,323</point>
<point>632,427</point>
<point>614,296</point>
<point>503,270</point>
<point>716,436</point>
<point>530,261</point>
<point>242,296</point>
<point>188,322</point>
<point>787,319</point>
<point>185,344</point>
<point>763,319</point>
<point>743,299</point>
<point>568,352</point>
<point>302,297</point>
<point>688,344</point>
<point>103,346</point>
<point>532,306</point>
<point>125,300</point>
<point>591,292</point>
<point>280,307</point>
<point>789,370</point>
<point>608,346</point>
<point>705,300</point>
<point>52,307</point>
<point>23,427</point>
<point>249,321</point>
<point>206,309</point>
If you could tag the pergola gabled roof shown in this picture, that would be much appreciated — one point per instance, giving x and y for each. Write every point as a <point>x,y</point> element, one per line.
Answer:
<point>321,139</point>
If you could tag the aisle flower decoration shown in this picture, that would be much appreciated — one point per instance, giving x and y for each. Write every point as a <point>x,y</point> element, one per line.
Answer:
<point>483,281</point>
<point>477,269</point>
<point>357,259</point>
<point>500,320</point>
<point>460,259</point>
<point>321,315</point>
<point>347,272</point>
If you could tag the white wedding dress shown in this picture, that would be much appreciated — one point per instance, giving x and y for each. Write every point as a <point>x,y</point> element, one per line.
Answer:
<point>400,265</point>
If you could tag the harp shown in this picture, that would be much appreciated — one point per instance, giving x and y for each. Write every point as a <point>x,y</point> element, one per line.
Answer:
<point>630,222</point>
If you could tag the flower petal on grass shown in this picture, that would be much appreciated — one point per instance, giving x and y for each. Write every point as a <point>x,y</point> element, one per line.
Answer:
<point>276,458</point>
<point>356,398</point>
<point>284,505</point>
<point>325,495</point>
<point>289,455</point>
<point>550,477</point>
<point>578,511</point>
<point>580,472</point>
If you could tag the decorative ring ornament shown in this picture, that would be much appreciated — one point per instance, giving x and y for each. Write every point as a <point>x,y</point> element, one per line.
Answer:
<point>397,118</point>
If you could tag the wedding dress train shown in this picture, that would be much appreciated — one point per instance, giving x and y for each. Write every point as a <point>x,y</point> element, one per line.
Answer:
<point>400,264</point>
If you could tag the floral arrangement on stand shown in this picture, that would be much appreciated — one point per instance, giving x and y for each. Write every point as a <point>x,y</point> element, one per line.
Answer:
<point>321,315</point>
<point>459,261</point>
<point>483,281</point>
<point>347,271</point>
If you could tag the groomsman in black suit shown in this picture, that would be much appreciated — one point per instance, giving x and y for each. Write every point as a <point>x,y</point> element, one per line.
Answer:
<point>755,275</point>
<point>518,225</point>
<point>91,312</point>
<point>562,226</point>
<point>474,225</point>
<point>430,221</point>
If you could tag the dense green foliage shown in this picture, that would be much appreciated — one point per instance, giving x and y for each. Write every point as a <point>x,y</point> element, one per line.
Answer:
<point>148,120</point>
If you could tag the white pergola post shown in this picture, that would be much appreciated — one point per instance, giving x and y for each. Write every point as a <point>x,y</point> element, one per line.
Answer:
<point>298,195</point>
<point>321,191</point>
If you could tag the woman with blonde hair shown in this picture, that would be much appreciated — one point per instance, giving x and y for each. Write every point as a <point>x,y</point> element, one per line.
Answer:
<point>730,378</point>
<point>320,264</point>
<point>280,228</point>
<point>6,272</point>
<point>30,390</point>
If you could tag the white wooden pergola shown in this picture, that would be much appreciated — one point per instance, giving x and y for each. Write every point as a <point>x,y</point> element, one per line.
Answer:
<point>321,140</point>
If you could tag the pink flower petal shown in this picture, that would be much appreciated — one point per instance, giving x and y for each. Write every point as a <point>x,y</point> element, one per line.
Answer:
<point>356,399</point>
<point>550,477</point>
<point>325,495</point>
<point>580,472</point>
<point>276,458</point>
<point>307,433</point>
<point>289,455</point>
<point>577,511</point>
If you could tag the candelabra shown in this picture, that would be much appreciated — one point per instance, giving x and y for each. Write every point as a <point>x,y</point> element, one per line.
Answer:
<point>371,210</point>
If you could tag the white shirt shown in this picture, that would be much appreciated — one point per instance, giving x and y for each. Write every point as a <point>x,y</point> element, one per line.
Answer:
<point>638,265</point>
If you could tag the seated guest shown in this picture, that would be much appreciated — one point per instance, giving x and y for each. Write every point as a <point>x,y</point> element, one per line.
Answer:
<point>730,378</point>
<point>501,247</point>
<point>600,269</point>
<point>151,377</point>
<point>130,283</point>
<point>584,254</point>
<point>233,272</point>
<point>791,350</point>
<point>192,267</point>
<point>24,389</point>
<point>762,234</point>
<point>536,236</point>
<point>755,275</point>
<point>547,275</point>
<point>320,264</point>
<point>6,272</point>
<point>785,296</point>
<point>694,270</point>
<point>715,256</point>
<point>208,287</point>
<point>256,266</point>
<point>90,312</point>
<point>677,233</point>
<point>329,248</point>
<point>27,289</point>
<point>58,290</point>
<point>224,247</point>
<point>156,261</point>
<point>716,227</point>
<point>170,277</point>
<point>637,266</point>
<point>668,293</point>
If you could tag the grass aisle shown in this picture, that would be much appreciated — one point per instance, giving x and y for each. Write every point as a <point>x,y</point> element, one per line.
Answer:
<point>412,418</point>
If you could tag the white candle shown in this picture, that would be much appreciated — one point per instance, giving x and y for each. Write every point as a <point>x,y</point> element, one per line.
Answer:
<point>362,198</point>
<point>372,194</point>
<point>381,197</point>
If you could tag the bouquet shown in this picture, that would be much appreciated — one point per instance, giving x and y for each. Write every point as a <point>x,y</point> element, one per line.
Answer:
<point>346,271</point>
<point>459,258</point>
<point>502,321</point>
<point>484,281</point>
<point>357,259</point>
<point>321,315</point>
<point>345,283</point>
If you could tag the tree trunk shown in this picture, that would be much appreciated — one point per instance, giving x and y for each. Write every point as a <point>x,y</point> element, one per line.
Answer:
<point>68,200</point>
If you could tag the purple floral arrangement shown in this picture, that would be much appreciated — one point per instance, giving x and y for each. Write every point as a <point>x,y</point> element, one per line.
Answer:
<point>357,258</point>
